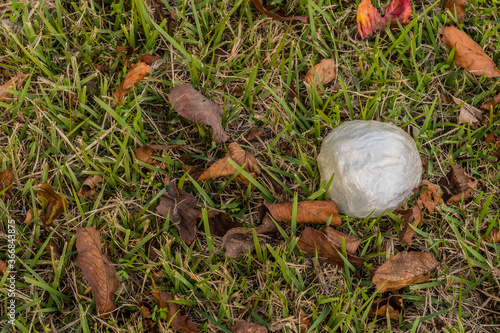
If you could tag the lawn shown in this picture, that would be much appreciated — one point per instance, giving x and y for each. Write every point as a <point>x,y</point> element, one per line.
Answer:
<point>63,124</point>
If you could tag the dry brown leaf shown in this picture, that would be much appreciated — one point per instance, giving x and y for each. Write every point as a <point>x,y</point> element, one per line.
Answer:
<point>51,248</point>
<point>3,268</point>
<point>254,135</point>
<point>191,104</point>
<point>468,54</point>
<point>491,104</point>
<point>6,181</point>
<point>336,238</point>
<point>392,305</point>
<point>30,215</point>
<point>134,75</point>
<point>89,185</point>
<point>244,326</point>
<point>493,236</point>
<point>457,184</point>
<point>468,113</point>
<point>429,197</point>
<point>278,14</point>
<point>411,216</point>
<point>456,7</point>
<point>312,242</point>
<point>220,223</point>
<point>222,168</point>
<point>179,206</point>
<point>148,58</point>
<point>128,50</point>
<point>53,204</point>
<point>404,269</point>
<point>324,71</point>
<point>317,212</point>
<point>369,19</point>
<point>14,83</point>
<point>145,152</point>
<point>177,321</point>
<point>146,322</point>
<point>171,21</point>
<point>97,268</point>
<point>304,323</point>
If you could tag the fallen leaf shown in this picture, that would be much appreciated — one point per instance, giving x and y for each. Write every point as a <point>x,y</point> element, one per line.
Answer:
<point>145,152</point>
<point>179,205</point>
<point>468,114</point>
<point>397,11</point>
<point>53,204</point>
<point>3,268</point>
<point>149,59</point>
<point>191,104</point>
<point>254,135</point>
<point>497,271</point>
<point>468,54</point>
<point>412,216</point>
<point>240,240</point>
<point>220,223</point>
<point>392,305</point>
<point>128,50</point>
<point>304,323</point>
<point>456,7</point>
<point>317,212</point>
<point>5,73</point>
<point>404,269</point>
<point>89,185</point>
<point>457,184</point>
<point>312,242</point>
<point>491,104</point>
<point>244,326</point>
<point>177,321</point>
<point>134,75</point>
<point>146,322</point>
<point>6,181</point>
<point>324,71</point>
<point>51,247</point>
<point>278,14</point>
<point>337,238</point>
<point>97,268</point>
<point>222,168</point>
<point>429,197</point>
<point>493,236</point>
<point>14,83</point>
<point>446,97</point>
<point>171,21</point>
<point>30,215</point>
<point>369,19</point>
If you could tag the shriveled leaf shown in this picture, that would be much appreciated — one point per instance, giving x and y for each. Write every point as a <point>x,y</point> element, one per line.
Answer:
<point>457,185</point>
<point>493,236</point>
<point>278,14</point>
<point>429,197</point>
<point>6,181</point>
<point>53,204</point>
<point>404,269</point>
<point>134,75</point>
<point>324,72</point>
<point>468,54</point>
<point>337,238</point>
<point>3,268</point>
<point>412,216</point>
<point>222,168</point>
<point>368,18</point>
<point>312,242</point>
<point>180,207</point>
<point>468,114</point>
<point>145,152</point>
<point>244,326</point>
<point>456,7</point>
<point>149,59</point>
<point>89,185</point>
<point>491,104</point>
<point>318,212</point>
<point>14,83</point>
<point>191,104</point>
<point>177,321</point>
<point>97,268</point>
<point>220,223</point>
<point>392,305</point>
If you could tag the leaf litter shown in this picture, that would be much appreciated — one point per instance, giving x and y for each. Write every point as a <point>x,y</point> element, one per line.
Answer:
<point>53,204</point>
<point>177,321</point>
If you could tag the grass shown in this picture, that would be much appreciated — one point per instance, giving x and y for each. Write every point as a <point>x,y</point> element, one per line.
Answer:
<point>62,127</point>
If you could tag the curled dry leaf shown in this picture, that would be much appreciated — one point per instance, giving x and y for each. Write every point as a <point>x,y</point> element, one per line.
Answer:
<point>278,14</point>
<point>412,216</point>
<point>404,269</point>
<point>337,238</point>
<point>3,268</point>
<point>89,184</point>
<point>191,104</point>
<point>457,185</point>
<point>30,215</point>
<point>369,19</point>
<point>128,50</point>
<point>179,206</point>
<point>53,204</point>
<point>429,197</point>
<point>324,72</point>
<point>134,75</point>
<point>148,58</point>
<point>220,223</point>
<point>97,268</point>
<point>468,54</point>
<point>145,152</point>
<point>14,83</point>
<point>456,7</point>
<point>177,321</point>
<point>312,242</point>
<point>493,236</point>
<point>244,326</point>
<point>392,306</point>
<point>318,212</point>
<point>222,168</point>
<point>468,114</point>
<point>491,104</point>
<point>6,181</point>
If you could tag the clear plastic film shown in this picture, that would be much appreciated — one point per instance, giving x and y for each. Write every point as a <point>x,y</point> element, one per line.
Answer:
<point>375,167</point>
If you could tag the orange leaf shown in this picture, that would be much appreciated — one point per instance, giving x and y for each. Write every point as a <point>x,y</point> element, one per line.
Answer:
<point>134,75</point>
<point>324,71</point>
<point>53,204</point>
<point>398,11</point>
<point>491,104</point>
<point>336,238</point>
<point>456,7</point>
<point>368,18</point>
<point>468,54</point>
<point>14,83</point>
<point>6,181</point>
<point>318,212</point>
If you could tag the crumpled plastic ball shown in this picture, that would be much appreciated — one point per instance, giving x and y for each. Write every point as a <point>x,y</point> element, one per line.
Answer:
<point>375,167</point>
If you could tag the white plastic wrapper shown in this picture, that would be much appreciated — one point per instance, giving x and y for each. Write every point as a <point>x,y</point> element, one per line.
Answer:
<point>375,166</point>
